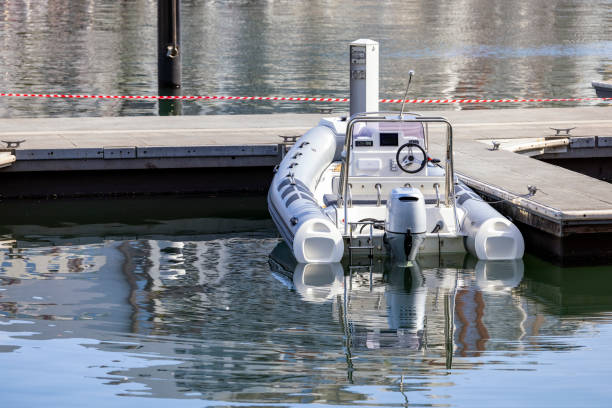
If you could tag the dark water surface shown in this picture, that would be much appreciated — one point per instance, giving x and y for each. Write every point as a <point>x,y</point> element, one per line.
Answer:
<point>132,303</point>
<point>459,49</point>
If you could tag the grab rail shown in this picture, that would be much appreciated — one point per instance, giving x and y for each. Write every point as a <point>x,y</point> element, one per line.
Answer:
<point>379,117</point>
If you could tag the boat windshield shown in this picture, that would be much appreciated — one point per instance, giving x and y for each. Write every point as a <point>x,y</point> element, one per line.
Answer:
<point>390,131</point>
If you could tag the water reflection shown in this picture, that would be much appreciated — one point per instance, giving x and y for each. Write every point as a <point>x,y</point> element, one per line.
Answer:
<point>473,49</point>
<point>213,318</point>
<point>405,305</point>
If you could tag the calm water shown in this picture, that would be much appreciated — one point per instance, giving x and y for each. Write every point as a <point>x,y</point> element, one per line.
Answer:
<point>177,302</point>
<point>459,49</point>
<point>129,304</point>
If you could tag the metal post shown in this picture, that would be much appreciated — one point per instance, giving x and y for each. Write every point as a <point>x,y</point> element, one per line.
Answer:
<point>168,43</point>
<point>170,107</point>
<point>169,56</point>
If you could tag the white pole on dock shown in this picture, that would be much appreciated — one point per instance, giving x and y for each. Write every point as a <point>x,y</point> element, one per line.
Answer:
<point>364,76</point>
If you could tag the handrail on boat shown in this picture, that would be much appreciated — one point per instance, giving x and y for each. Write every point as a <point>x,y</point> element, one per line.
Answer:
<point>380,117</point>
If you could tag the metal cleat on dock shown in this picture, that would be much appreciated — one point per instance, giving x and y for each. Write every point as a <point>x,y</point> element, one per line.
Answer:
<point>532,190</point>
<point>10,144</point>
<point>559,130</point>
<point>288,141</point>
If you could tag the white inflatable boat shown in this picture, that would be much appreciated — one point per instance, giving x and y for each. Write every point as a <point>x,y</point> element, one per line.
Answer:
<point>372,182</point>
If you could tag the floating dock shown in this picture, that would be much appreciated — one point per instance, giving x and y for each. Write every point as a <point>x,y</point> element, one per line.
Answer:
<point>568,219</point>
<point>135,155</point>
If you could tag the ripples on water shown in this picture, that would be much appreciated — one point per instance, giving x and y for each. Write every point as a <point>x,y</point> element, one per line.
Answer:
<point>190,311</point>
<point>111,313</point>
<point>468,49</point>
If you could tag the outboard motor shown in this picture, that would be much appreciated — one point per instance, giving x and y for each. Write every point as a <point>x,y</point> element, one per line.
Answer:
<point>406,222</point>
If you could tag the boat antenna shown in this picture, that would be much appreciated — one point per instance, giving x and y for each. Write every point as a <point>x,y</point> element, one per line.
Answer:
<point>410,74</point>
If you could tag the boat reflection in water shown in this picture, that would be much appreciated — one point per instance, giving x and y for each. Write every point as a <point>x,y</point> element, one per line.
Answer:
<point>427,304</point>
<point>163,308</point>
<point>314,282</point>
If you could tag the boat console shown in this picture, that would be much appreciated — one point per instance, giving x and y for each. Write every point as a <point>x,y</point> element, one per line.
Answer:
<point>378,145</point>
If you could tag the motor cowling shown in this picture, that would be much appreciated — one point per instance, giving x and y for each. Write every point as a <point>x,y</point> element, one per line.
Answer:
<point>406,211</point>
<point>406,222</point>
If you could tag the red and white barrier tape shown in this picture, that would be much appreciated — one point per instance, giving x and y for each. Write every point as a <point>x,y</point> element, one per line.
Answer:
<point>181,97</point>
<point>427,101</point>
<point>296,99</point>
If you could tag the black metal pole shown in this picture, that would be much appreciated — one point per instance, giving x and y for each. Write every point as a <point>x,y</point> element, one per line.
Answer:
<point>169,43</point>
<point>169,55</point>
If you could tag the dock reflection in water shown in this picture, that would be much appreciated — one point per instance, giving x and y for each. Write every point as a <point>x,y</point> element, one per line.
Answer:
<point>210,319</point>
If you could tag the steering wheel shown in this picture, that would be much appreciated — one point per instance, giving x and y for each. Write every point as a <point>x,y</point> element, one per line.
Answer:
<point>411,158</point>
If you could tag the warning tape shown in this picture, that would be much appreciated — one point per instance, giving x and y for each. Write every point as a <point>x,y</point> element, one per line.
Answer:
<point>427,101</point>
<point>296,99</point>
<point>181,97</point>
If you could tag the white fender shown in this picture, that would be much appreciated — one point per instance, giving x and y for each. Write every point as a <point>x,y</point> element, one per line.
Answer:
<point>490,235</point>
<point>299,218</point>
